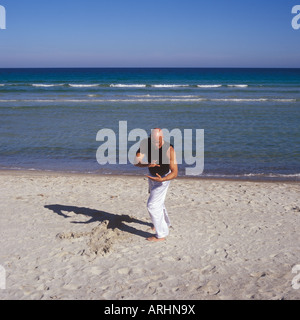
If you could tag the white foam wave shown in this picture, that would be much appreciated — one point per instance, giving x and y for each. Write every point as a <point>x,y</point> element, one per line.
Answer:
<point>260,176</point>
<point>155,100</point>
<point>273,175</point>
<point>253,100</point>
<point>284,100</point>
<point>149,99</point>
<point>169,85</point>
<point>83,85</point>
<point>209,85</point>
<point>238,85</point>
<point>119,85</point>
<point>142,96</point>
<point>161,96</point>
<point>241,100</point>
<point>46,85</point>
<point>2,85</point>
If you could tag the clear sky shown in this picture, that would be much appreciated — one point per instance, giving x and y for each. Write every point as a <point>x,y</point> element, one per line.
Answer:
<point>149,33</point>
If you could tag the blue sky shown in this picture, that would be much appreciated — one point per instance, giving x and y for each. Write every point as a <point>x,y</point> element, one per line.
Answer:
<point>143,33</point>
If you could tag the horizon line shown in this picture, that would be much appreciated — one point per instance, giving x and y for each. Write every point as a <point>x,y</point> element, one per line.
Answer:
<point>149,67</point>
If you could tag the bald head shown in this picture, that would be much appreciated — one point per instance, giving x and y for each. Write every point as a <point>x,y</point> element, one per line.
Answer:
<point>157,137</point>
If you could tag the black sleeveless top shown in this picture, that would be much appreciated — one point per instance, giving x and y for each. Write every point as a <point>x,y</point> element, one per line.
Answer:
<point>160,155</point>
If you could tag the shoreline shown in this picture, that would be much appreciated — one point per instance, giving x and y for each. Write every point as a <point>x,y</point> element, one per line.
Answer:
<point>42,172</point>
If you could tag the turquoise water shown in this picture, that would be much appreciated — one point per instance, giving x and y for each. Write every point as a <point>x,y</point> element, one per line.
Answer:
<point>49,118</point>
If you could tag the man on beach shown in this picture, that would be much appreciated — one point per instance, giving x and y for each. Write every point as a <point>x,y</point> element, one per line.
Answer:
<point>162,167</point>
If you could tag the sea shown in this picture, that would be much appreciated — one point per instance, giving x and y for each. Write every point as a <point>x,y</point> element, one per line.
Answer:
<point>49,118</point>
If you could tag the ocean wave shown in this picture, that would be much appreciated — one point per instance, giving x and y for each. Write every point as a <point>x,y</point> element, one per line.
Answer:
<point>143,96</point>
<point>284,100</point>
<point>106,100</point>
<point>169,85</point>
<point>238,85</point>
<point>150,99</point>
<point>175,99</point>
<point>153,98</point>
<point>82,85</point>
<point>43,85</point>
<point>209,85</point>
<point>272,175</point>
<point>48,100</point>
<point>254,176</point>
<point>161,96</point>
<point>253,100</point>
<point>156,100</point>
<point>155,86</point>
<point>119,85</point>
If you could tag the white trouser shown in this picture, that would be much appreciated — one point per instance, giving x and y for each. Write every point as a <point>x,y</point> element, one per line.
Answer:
<point>156,207</point>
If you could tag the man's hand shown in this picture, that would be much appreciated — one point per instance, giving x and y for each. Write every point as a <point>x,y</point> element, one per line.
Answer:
<point>173,168</point>
<point>138,162</point>
<point>153,164</point>
<point>158,178</point>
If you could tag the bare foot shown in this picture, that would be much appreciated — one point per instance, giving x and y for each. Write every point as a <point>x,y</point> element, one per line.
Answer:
<point>154,239</point>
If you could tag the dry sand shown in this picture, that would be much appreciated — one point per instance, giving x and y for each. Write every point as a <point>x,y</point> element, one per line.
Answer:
<point>75,236</point>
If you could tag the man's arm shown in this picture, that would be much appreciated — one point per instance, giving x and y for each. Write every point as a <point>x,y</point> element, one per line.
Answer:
<point>173,168</point>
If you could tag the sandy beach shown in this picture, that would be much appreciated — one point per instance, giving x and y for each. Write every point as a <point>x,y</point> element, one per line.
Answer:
<point>80,236</point>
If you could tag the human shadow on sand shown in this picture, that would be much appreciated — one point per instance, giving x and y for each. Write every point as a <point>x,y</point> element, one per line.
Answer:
<point>114,220</point>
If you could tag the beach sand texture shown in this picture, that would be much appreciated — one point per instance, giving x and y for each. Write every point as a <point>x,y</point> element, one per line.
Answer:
<point>79,236</point>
